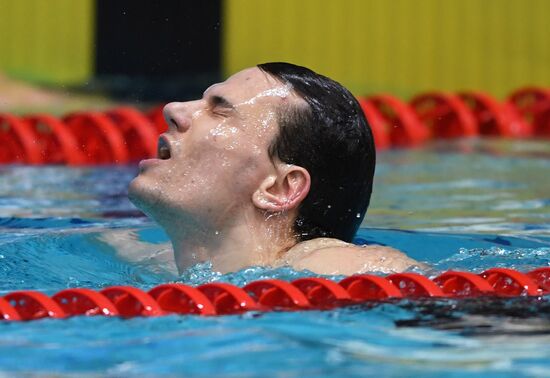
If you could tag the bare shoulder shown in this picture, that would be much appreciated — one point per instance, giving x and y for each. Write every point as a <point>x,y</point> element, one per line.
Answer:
<point>333,256</point>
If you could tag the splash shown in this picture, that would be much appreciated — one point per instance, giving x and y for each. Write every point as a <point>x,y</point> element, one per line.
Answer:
<point>203,273</point>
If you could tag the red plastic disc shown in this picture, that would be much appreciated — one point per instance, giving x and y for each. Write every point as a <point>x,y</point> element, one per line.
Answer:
<point>518,126</point>
<point>139,132</point>
<point>541,276</point>
<point>366,287</point>
<point>18,142</point>
<point>509,282</point>
<point>57,144</point>
<point>377,123</point>
<point>7,312</point>
<point>228,299</point>
<point>414,285</point>
<point>533,104</point>
<point>463,284</point>
<point>445,115</point>
<point>157,117</point>
<point>84,302</point>
<point>131,301</point>
<point>276,294</point>
<point>493,118</point>
<point>322,293</point>
<point>31,305</point>
<point>182,299</point>
<point>100,141</point>
<point>405,129</point>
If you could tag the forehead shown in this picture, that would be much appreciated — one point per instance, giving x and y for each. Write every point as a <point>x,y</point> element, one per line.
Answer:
<point>253,86</point>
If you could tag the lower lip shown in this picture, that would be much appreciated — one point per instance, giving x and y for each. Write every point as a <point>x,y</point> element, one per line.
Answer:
<point>148,163</point>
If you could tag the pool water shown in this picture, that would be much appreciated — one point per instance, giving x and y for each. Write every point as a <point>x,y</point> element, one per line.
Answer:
<point>467,204</point>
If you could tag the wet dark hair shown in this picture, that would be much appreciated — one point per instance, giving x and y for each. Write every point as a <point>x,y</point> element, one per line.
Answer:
<point>331,138</point>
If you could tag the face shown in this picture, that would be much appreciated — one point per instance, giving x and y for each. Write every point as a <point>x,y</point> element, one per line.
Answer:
<point>215,153</point>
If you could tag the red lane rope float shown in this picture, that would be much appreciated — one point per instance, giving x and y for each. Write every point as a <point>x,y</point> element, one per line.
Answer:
<point>99,138</point>
<point>378,124</point>
<point>542,277</point>
<point>57,144</point>
<point>533,104</point>
<point>18,141</point>
<point>156,116</point>
<point>84,302</point>
<point>445,115</point>
<point>182,299</point>
<point>32,305</point>
<point>131,301</point>
<point>7,312</point>
<point>494,118</point>
<point>277,294</point>
<point>463,284</point>
<point>509,282</point>
<point>405,129</point>
<point>413,285</point>
<point>322,293</point>
<point>271,294</point>
<point>139,134</point>
<point>364,287</point>
<point>228,299</point>
<point>125,134</point>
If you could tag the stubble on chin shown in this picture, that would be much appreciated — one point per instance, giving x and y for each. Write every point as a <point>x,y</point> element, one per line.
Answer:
<point>148,199</point>
<point>138,194</point>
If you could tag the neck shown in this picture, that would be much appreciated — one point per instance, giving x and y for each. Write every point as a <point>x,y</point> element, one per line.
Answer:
<point>258,240</point>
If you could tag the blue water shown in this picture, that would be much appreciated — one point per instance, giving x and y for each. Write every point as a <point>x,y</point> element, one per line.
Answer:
<point>465,205</point>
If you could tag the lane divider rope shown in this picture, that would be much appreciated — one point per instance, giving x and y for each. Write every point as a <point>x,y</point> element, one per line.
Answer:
<point>125,135</point>
<point>309,293</point>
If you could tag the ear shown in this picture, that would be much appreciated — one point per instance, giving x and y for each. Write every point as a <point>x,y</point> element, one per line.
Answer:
<point>284,190</point>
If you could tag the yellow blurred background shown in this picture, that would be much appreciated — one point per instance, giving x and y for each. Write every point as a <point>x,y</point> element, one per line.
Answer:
<point>400,46</point>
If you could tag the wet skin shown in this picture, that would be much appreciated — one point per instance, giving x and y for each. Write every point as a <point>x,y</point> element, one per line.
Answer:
<point>219,195</point>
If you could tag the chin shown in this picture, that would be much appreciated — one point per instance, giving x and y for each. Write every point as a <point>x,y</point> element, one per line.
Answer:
<point>146,197</point>
<point>140,195</point>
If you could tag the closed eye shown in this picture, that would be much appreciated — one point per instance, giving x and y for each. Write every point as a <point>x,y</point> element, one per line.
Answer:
<point>221,113</point>
<point>220,105</point>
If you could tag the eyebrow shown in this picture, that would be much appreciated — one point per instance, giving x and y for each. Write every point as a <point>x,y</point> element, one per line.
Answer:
<point>220,102</point>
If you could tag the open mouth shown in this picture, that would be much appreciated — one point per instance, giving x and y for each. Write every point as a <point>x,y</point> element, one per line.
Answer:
<point>163,149</point>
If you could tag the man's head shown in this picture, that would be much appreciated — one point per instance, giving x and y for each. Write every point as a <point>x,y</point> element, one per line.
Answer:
<point>330,137</point>
<point>273,140</point>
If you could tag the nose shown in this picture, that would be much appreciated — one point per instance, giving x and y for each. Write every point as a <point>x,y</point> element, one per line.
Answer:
<point>177,116</point>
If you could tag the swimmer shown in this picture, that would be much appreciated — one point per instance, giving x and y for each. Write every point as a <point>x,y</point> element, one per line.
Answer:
<point>272,167</point>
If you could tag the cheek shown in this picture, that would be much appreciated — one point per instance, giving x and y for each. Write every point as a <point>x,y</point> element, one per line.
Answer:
<point>220,146</point>
<point>224,154</point>
<point>224,137</point>
<point>232,164</point>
